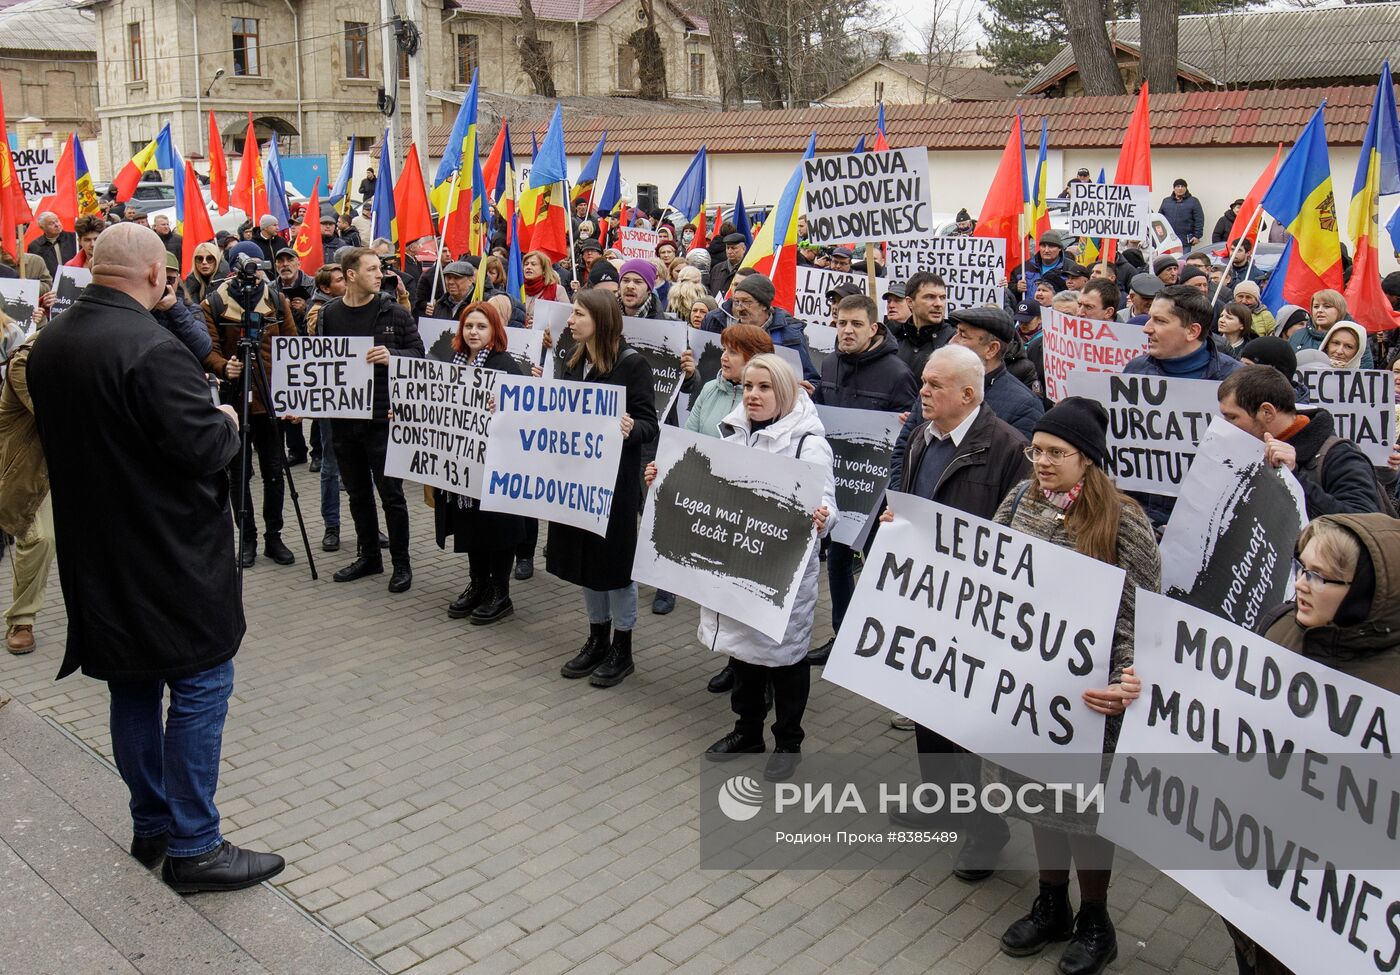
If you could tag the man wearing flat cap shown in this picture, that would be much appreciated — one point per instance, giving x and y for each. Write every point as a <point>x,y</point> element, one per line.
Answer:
<point>458,280</point>
<point>990,332</point>
<point>1049,257</point>
<point>722,274</point>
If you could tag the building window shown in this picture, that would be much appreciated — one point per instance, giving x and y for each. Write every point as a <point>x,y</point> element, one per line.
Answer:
<point>136,52</point>
<point>356,50</point>
<point>245,46</point>
<point>468,57</point>
<point>626,67</point>
<point>697,72</point>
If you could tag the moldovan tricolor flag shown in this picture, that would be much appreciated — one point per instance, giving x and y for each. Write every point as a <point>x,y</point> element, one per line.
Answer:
<point>1377,174</point>
<point>1038,205</point>
<point>126,180</point>
<point>1301,200</point>
<point>774,250</point>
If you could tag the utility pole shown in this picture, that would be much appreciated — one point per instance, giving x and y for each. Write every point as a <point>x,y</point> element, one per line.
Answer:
<point>389,50</point>
<point>417,97</point>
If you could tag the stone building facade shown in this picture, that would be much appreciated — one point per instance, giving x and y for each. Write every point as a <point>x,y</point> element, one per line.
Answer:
<point>48,70</point>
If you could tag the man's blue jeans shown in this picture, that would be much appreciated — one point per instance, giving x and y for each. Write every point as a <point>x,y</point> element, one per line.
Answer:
<point>330,479</point>
<point>172,770</point>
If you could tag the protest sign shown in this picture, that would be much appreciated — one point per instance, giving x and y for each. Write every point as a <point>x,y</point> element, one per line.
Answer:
<point>637,242</point>
<point>1228,547</point>
<point>706,348</point>
<point>68,283</point>
<point>867,196</point>
<point>973,267</point>
<point>730,526</point>
<point>526,347</point>
<point>551,316</point>
<point>1073,344</point>
<point>1154,425</point>
<point>441,419</point>
<point>821,342</point>
<point>322,377</point>
<point>1113,210</point>
<point>1251,774</point>
<point>19,297</point>
<point>35,169</point>
<point>554,450</point>
<point>1362,404</point>
<point>437,334</point>
<point>813,283</point>
<point>982,633</point>
<point>661,343</point>
<point>862,442</point>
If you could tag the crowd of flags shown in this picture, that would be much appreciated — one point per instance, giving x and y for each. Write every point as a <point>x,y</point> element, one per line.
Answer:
<point>473,199</point>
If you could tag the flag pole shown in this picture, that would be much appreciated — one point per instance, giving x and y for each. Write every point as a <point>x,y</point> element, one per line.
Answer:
<point>1229,261</point>
<point>569,228</point>
<point>446,219</point>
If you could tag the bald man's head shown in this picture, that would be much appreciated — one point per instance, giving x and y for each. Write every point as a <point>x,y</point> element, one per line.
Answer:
<point>130,259</point>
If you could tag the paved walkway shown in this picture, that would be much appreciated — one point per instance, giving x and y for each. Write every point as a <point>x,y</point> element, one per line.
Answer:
<point>447,803</point>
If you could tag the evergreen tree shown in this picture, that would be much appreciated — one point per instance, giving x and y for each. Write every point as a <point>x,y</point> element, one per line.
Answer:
<point>1022,35</point>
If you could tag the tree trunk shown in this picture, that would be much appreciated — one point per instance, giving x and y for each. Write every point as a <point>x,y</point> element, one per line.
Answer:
<point>533,60</point>
<point>765,66</point>
<point>1093,53</point>
<point>1159,36</point>
<point>731,89</point>
<point>651,59</point>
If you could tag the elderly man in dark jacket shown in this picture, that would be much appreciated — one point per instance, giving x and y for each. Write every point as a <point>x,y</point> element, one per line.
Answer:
<point>1183,211</point>
<point>964,456</point>
<point>136,455</point>
<point>989,332</point>
<point>865,373</point>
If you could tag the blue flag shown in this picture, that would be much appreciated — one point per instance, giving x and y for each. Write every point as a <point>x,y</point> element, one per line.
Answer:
<point>341,189</point>
<point>384,210</point>
<point>689,196</point>
<point>612,189</point>
<point>549,165</point>
<point>168,157</point>
<point>277,186</point>
<point>741,217</point>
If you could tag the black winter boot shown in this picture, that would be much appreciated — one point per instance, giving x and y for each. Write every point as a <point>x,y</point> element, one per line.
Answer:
<point>591,654</point>
<point>1094,943</point>
<point>1050,919</point>
<point>471,597</point>
<point>277,551</point>
<point>496,606</point>
<point>618,663</point>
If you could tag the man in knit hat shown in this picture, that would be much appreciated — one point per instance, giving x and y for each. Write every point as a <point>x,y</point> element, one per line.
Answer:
<point>752,304</point>
<point>637,281</point>
<point>1167,268</point>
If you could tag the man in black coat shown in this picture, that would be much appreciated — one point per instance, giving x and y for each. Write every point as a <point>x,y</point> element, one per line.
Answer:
<point>990,332</point>
<point>963,456</point>
<point>722,274</point>
<point>361,445</point>
<point>56,245</point>
<point>136,455</point>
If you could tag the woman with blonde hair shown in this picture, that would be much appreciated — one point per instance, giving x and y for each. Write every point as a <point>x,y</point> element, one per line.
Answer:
<point>682,298</point>
<point>209,269</point>
<point>1329,308</point>
<point>541,280</point>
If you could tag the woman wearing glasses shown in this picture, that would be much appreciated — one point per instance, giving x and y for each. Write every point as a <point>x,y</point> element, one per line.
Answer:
<point>1070,501</point>
<point>1345,614</point>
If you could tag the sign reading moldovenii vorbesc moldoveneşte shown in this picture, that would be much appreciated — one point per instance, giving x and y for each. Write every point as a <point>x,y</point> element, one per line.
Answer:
<point>982,633</point>
<point>554,450</point>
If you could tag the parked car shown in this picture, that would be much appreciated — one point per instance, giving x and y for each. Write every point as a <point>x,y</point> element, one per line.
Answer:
<point>150,197</point>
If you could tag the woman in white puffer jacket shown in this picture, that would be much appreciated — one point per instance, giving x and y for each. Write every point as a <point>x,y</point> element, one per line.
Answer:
<point>774,415</point>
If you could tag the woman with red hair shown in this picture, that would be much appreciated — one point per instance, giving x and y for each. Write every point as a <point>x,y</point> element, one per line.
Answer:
<point>489,538</point>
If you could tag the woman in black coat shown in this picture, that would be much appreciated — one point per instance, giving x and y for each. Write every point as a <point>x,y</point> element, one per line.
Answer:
<point>488,537</point>
<point>603,566</point>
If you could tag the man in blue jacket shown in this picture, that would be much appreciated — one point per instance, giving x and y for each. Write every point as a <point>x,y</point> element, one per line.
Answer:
<point>989,332</point>
<point>752,304</point>
<point>1183,211</point>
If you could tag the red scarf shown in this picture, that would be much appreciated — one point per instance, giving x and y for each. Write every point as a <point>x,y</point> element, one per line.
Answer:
<point>535,288</point>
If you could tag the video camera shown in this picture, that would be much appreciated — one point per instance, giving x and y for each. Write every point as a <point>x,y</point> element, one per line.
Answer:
<point>246,288</point>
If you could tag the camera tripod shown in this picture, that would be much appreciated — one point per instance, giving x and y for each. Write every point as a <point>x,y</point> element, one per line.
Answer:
<point>250,355</point>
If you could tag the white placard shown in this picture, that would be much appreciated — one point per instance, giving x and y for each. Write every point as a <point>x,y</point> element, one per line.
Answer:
<point>526,347</point>
<point>637,242</point>
<point>1109,210</point>
<point>813,307</point>
<point>551,317</point>
<point>36,171</point>
<point>730,526</point>
<point>974,268</point>
<point>982,633</point>
<point>1154,425</point>
<point>68,283</point>
<point>1362,404</point>
<point>868,196</point>
<point>437,334</point>
<point>862,443</point>
<point>322,377</point>
<point>441,420</point>
<point>554,450</point>
<point>1228,547</point>
<point>707,349</point>
<point>661,342</point>
<point>1071,344</point>
<point>821,342</point>
<point>19,297</point>
<point>1242,772</point>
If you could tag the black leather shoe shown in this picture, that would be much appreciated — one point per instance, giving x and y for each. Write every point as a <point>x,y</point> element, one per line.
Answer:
<point>498,607</point>
<point>360,568</point>
<point>278,552</point>
<point>781,764</point>
<point>401,578</point>
<point>227,868</point>
<point>817,655</point>
<point>248,553</point>
<point>1050,920</point>
<point>149,850</point>
<point>591,654</point>
<point>471,597</point>
<point>979,851</point>
<point>524,569</point>
<point>315,465</point>
<point>617,664</point>
<point>722,682</point>
<point>1094,943</point>
<point>663,603</point>
<point>383,540</point>
<point>330,541</point>
<point>735,743</point>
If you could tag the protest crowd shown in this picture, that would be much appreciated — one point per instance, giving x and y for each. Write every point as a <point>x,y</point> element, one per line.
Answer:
<point>726,406</point>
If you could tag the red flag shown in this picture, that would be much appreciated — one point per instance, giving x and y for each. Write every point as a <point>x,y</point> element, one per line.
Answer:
<point>1004,208</point>
<point>14,208</point>
<point>64,202</point>
<point>198,229</point>
<point>218,167</point>
<point>249,190</point>
<point>307,242</point>
<point>491,169</point>
<point>702,236</point>
<point>411,211</point>
<point>1134,159</point>
<point>1246,221</point>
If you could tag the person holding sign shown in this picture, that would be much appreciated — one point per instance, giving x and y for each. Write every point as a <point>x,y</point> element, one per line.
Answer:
<point>778,417</point>
<point>1071,501</point>
<point>602,567</point>
<point>488,537</point>
<point>1345,614</point>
